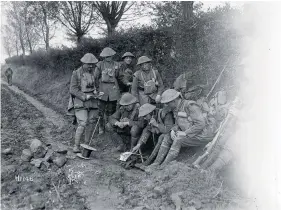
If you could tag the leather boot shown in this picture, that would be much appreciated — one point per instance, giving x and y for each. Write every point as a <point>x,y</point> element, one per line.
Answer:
<point>163,151</point>
<point>134,142</point>
<point>172,155</point>
<point>77,138</point>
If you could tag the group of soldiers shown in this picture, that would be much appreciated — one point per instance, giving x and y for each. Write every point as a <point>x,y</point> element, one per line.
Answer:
<point>135,106</point>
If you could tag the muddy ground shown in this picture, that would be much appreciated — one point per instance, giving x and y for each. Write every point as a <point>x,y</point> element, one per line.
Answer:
<point>100,183</point>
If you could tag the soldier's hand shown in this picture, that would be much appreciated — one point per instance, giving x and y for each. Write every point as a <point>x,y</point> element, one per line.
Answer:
<point>157,99</point>
<point>88,97</point>
<point>136,148</point>
<point>129,84</point>
<point>173,135</point>
<point>180,134</point>
<point>153,122</point>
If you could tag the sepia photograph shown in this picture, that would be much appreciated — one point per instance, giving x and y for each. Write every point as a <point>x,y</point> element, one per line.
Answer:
<point>140,105</point>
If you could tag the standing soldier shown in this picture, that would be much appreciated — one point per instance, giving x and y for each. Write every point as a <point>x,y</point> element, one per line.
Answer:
<point>147,83</point>
<point>84,102</point>
<point>106,75</point>
<point>160,122</point>
<point>126,72</point>
<point>125,120</point>
<point>191,127</point>
<point>9,75</point>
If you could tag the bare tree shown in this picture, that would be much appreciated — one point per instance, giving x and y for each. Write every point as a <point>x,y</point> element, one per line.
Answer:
<point>44,14</point>
<point>15,19</point>
<point>111,12</point>
<point>78,17</point>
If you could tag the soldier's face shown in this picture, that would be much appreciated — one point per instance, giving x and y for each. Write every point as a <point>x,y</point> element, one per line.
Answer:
<point>108,58</point>
<point>146,66</point>
<point>147,117</point>
<point>128,60</point>
<point>172,105</point>
<point>88,66</point>
<point>129,107</point>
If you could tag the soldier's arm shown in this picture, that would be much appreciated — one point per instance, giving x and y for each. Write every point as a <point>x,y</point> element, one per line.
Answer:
<point>169,122</point>
<point>97,75</point>
<point>160,83</point>
<point>198,120</point>
<point>122,75</point>
<point>135,86</point>
<point>75,89</point>
<point>115,117</point>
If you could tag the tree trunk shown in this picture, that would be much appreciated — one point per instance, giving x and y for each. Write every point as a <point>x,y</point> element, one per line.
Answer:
<point>47,36</point>
<point>79,39</point>
<point>187,9</point>
<point>21,41</point>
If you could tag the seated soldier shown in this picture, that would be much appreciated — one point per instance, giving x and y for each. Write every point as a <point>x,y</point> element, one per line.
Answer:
<point>159,122</point>
<point>125,121</point>
<point>191,128</point>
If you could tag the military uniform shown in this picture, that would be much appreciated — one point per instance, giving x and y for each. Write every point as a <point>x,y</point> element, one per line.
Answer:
<point>134,126</point>
<point>189,118</point>
<point>125,74</point>
<point>147,84</point>
<point>9,75</point>
<point>85,107</point>
<point>165,121</point>
<point>106,80</point>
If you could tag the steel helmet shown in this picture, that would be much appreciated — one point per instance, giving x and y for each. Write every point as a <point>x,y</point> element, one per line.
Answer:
<point>89,58</point>
<point>127,99</point>
<point>145,109</point>
<point>169,95</point>
<point>107,52</point>
<point>143,59</point>
<point>128,54</point>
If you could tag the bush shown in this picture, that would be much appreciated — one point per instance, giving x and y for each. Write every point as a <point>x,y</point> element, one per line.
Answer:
<point>202,45</point>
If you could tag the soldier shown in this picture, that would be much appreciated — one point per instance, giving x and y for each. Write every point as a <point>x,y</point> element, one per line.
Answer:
<point>147,83</point>
<point>84,102</point>
<point>191,129</point>
<point>9,75</point>
<point>126,72</point>
<point>106,75</point>
<point>160,122</point>
<point>125,120</point>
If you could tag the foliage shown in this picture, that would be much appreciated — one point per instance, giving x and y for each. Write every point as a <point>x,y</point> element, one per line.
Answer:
<point>203,44</point>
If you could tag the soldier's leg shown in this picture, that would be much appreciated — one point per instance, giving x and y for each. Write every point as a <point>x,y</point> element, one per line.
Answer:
<point>174,151</point>
<point>135,135</point>
<point>102,107</point>
<point>164,149</point>
<point>81,116</point>
<point>155,150</point>
<point>91,123</point>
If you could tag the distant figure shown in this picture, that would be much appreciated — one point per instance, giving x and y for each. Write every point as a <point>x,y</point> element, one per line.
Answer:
<point>9,75</point>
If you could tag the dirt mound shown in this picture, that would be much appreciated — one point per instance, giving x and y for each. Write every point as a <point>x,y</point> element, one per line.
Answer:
<point>178,185</point>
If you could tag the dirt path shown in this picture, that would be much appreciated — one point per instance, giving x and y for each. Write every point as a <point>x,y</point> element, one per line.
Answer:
<point>50,115</point>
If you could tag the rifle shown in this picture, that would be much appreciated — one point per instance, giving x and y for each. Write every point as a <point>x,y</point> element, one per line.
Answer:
<point>218,79</point>
<point>218,135</point>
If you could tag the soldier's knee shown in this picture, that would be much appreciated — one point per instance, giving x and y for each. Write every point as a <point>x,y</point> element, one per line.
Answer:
<point>82,124</point>
<point>135,130</point>
<point>109,127</point>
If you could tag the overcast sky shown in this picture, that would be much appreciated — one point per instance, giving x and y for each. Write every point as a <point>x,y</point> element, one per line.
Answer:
<point>61,38</point>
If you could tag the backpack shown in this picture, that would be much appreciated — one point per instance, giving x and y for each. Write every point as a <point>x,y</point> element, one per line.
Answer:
<point>149,86</point>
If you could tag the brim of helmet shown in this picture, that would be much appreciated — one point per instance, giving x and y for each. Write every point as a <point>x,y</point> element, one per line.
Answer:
<point>146,113</point>
<point>173,98</point>
<point>128,103</point>
<point>143,62</point>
